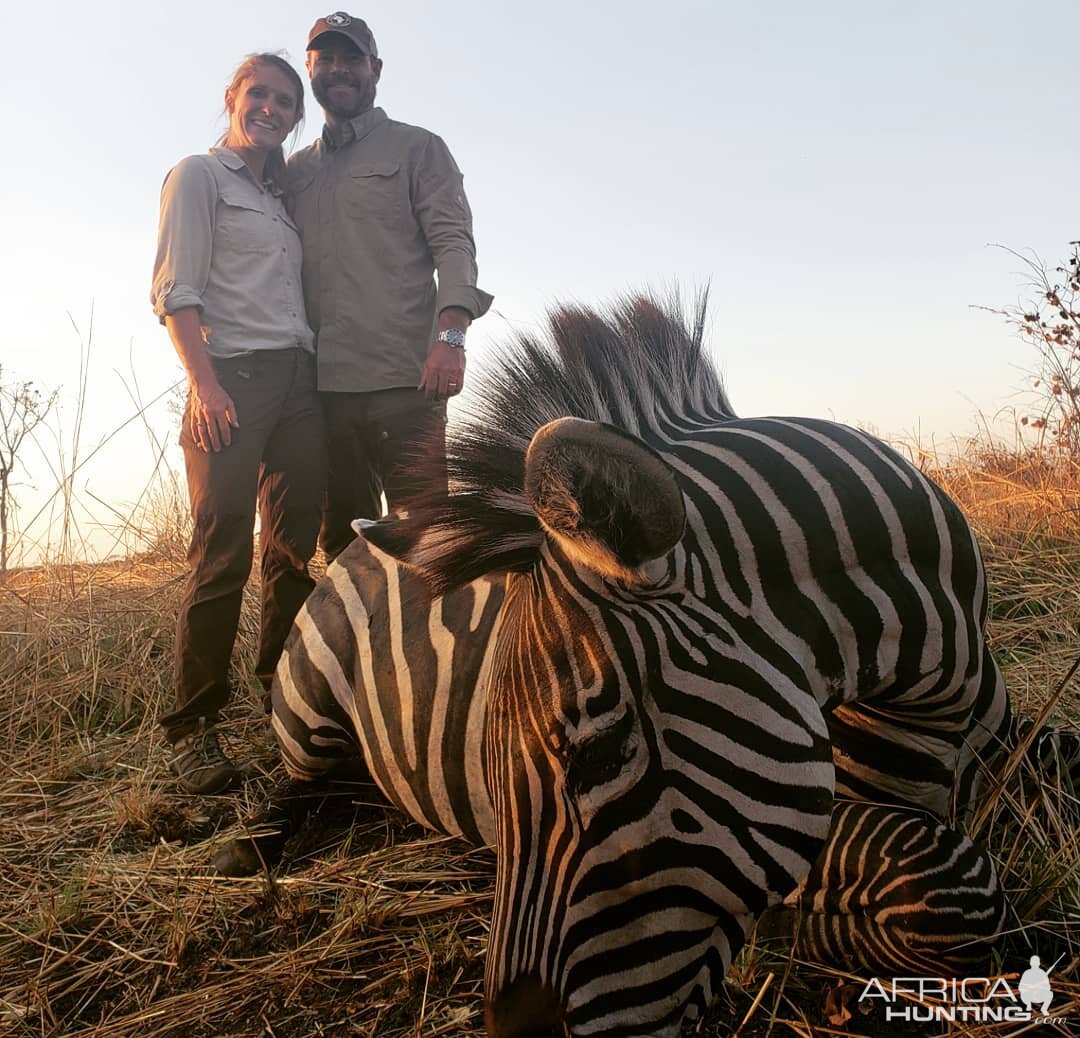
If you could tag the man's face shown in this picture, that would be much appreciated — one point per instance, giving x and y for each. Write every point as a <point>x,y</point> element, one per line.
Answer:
<point>343,77</point>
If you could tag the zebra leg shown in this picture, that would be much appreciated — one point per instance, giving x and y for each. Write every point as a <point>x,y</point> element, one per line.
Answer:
<point>313,759</point>
<point>994,732</point>
<point>1049,773</point>
<point>283,814</point>
<point>316,739</point>
<point>1054,751</point>
<point>289,806</point>
<point>313,716</point>
<point>893,892</point>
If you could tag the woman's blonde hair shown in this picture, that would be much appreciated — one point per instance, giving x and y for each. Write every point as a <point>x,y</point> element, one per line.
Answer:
<point>275,161</point>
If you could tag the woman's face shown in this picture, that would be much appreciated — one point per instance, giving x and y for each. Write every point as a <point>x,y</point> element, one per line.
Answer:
<point>263,111</point>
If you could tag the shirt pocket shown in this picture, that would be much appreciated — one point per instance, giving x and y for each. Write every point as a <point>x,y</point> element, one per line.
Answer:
<point>298,200</point>
<point>373,191</point>
<point>243,225</point>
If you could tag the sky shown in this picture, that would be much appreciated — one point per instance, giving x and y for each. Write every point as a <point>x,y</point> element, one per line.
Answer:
<point>837,173</point>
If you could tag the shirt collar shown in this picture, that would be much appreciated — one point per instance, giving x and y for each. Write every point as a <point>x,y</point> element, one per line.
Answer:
<point>356,129</point>
<point>230,160</point>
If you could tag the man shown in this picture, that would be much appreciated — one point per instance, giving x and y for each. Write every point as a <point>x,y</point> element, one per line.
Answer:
<point>1035,986</point>
<point>381,208</point>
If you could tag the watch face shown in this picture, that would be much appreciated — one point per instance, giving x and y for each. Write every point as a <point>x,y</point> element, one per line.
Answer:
<point>453,337</point>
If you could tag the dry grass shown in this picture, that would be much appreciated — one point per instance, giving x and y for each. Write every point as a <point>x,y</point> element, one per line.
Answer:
<point>111,923</point>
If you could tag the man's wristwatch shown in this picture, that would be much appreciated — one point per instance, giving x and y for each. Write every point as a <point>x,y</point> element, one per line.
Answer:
<point>453,337</point>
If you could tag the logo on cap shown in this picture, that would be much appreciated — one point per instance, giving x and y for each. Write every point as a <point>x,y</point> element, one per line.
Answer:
<point>339,20</point>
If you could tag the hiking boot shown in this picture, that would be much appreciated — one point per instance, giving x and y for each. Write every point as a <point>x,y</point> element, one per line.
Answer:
<point>199,764</point>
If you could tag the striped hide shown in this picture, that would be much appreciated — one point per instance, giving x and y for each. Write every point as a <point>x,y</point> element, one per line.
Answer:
<point>639,650</point>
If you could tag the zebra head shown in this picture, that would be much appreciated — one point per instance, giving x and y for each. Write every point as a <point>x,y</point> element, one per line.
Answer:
<point>655,785</point>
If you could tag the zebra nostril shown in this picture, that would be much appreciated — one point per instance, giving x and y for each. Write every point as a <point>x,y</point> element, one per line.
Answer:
<point>526,1008</point>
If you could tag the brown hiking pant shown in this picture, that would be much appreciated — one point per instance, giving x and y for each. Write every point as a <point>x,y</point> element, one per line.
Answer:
<point>277,458</point>
<point>373,441</point>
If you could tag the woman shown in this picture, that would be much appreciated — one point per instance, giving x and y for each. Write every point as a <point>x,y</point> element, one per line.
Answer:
<point>227,288</point>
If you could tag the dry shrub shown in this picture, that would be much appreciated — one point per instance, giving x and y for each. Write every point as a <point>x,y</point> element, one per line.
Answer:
<point>112,924</point>
<point>1012,495</point>
<point>1025,509</point>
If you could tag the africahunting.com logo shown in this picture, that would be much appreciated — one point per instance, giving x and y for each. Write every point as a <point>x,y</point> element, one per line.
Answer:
<point>971,1000</point>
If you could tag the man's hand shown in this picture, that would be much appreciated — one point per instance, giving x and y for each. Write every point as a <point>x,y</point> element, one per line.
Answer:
<point>444,372</point>
<point>213,415</point>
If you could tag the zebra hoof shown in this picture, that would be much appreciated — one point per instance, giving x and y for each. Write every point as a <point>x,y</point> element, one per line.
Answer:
<point>242,858</point>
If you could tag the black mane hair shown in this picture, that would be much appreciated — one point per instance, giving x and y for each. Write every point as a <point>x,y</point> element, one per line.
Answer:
<point>638,365</point>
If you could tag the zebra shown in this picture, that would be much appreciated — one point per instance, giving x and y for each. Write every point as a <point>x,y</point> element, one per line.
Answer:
<point>372,624</point>
<point>668,663</point>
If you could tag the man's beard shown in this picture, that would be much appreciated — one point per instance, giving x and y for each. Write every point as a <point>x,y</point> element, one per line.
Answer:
<point>363,97</point>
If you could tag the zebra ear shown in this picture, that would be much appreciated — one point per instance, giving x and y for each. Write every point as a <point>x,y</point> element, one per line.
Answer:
<point>609,500</point>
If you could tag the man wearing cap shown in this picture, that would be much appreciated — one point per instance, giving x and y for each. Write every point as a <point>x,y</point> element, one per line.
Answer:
<point>381,208</point>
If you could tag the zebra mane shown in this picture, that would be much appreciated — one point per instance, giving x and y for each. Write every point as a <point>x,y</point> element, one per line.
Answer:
<point>638,365</point>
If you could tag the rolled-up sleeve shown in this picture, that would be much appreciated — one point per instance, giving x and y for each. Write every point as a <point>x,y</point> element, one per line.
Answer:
<point>443,212</point>
<point>185,238</point>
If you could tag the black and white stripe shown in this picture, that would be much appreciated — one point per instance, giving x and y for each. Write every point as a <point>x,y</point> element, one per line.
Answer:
<point>374,665</point>
<point>650,731</point>
<point>894,887</point>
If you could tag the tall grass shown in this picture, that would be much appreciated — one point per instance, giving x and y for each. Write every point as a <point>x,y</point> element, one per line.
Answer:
<point>112,923</point>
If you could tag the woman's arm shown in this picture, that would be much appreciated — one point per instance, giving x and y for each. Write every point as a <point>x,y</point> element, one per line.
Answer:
<point>210,409</point>
<point>181,270</point>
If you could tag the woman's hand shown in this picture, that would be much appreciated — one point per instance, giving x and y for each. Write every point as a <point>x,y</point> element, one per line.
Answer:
<point>212,414</point>
<point>210,409</point>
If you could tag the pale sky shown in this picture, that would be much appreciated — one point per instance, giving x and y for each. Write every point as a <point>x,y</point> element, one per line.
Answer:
<point>835,170</point>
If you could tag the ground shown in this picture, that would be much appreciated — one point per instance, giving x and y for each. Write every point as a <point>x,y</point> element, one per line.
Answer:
<point>113,924</point>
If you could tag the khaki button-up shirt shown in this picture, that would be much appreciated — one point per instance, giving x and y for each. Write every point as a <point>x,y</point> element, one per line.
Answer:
<point>228,246</point>
<point>378,216</point>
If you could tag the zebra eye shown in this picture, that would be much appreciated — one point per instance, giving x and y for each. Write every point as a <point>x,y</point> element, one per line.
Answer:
<point>656,572</point>
<point>658,579</point>
<point>598,760</point>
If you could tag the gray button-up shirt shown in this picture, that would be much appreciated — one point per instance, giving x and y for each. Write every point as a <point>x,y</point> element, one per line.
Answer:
<point>227,246</point>
<point>378,217</point>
